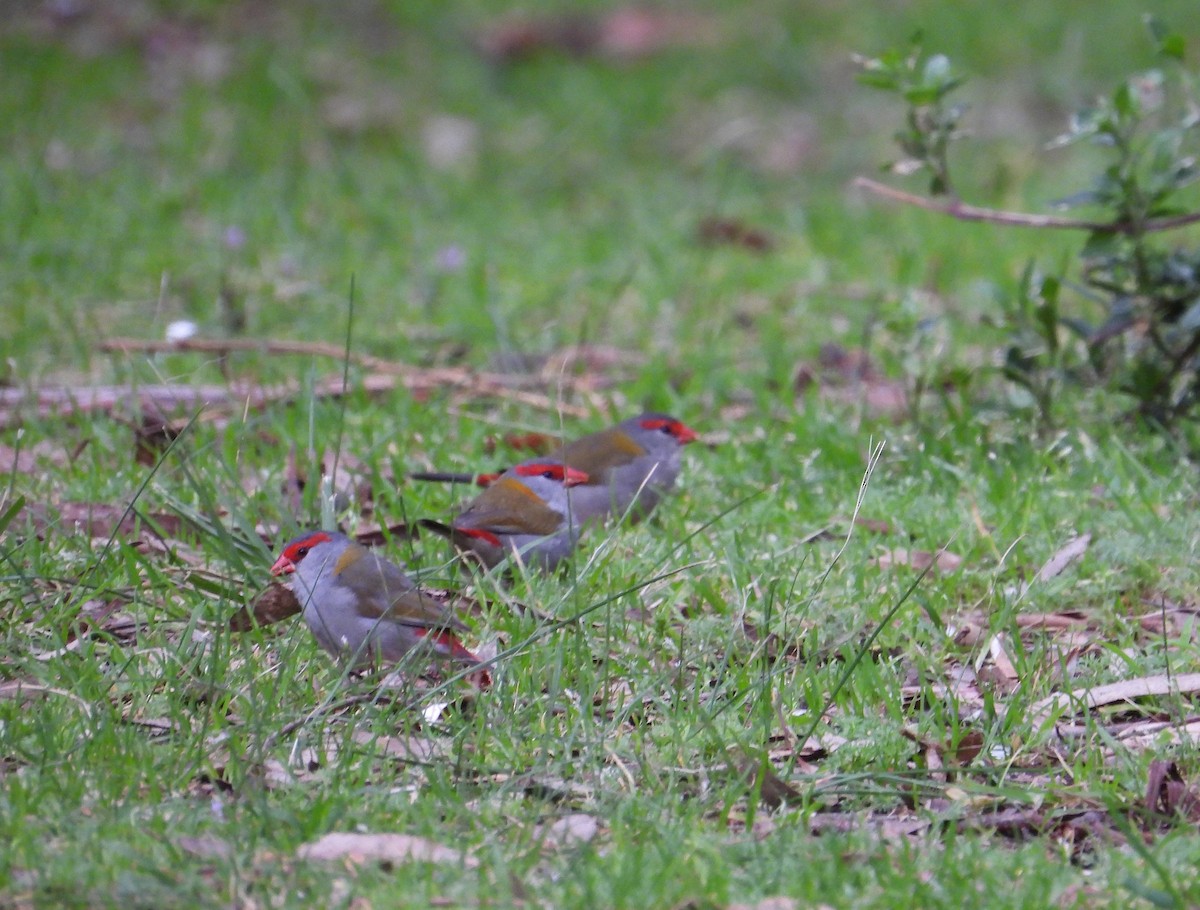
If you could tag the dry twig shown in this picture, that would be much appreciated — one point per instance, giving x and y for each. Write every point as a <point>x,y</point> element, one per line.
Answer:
<point>956,208</point>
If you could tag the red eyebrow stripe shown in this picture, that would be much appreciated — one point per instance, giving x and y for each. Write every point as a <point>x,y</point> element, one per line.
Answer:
<point>310,541</point>
<point>532,470</point>
<point>680,431</point>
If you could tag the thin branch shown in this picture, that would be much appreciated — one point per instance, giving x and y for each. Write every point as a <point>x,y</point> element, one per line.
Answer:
<point>227,345</point>
<point>415,374</point>
<point>519,388</point>
<point>161,402</point>
<point>955,208</point>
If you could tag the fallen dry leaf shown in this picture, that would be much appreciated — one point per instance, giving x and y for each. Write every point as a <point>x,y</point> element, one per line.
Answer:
<point>849,377</point>
<point>942,560</point>
<point>1067,554</point>
<point>1072,630</point>
<point>1078,894</point>
<point>104,615</point>
<point>152,437</point>
<point>969,746</point>
<point>773,790</point>
<point>999,670</point>
<point>382,848</point>
<point>779,902</point>
<point>969,630</point>
<point>1169,794</point>
<point>600,364</point>
<point>576,828</point>
<point>357,110</point>
<point>31,459</point>
<point>410,748</point>
<point>99,520</point>
<point>960,691</point>
<point>714,231</point>
<point>177,405</point>
<point>205,846</point>
<point>890,827</point>
<point>1062,621</point>
<point>622,33</point>
<point>1175,622</point>
<point>877,525</point>
<point>537,443</point>
<point>1126,690</point>
<point>964,752</point>
<point>1152,734</point>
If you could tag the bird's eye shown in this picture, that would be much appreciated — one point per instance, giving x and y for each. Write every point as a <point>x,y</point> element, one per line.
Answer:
<point>549,474</point>
<point>302,552</point>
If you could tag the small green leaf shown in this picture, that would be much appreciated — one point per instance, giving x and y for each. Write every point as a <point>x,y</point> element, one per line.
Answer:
<point>878,79</point>
<point>1101,243</point>
<point>11,512</point>
<point>1167,43</point>
<point>1125,101</point>
<point>921,94</point>
<point>1151,895</point>
<point>1173,46</point>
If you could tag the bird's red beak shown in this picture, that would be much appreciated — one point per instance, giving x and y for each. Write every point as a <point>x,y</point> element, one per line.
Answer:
<point>572,477</point>
<point>686,434</point>
<point>283,566</point>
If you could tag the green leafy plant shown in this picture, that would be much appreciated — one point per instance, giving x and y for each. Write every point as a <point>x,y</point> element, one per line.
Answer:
<point>931,123</point>
<point>1146,343</point>
<point>1044,350</point>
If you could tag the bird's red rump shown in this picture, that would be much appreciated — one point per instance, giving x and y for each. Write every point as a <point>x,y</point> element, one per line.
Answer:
<point>481,534</point>
<point>447,644</point>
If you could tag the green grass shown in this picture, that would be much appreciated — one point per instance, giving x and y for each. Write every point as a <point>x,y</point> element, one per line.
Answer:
<point>153,758</point>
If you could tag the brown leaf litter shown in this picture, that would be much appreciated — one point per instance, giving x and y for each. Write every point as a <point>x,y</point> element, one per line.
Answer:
<point>718,231</point>
<point>1087,699</point>
<point>920,560</point>
<point>100,520</point>
<point>623,33</point>
<point>1169,794</point>
<point>159,411</point>
<point>850,377</point>
<point>386,849</point>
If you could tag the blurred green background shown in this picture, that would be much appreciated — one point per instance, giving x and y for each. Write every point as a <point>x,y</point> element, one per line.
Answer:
<point>487,202</point>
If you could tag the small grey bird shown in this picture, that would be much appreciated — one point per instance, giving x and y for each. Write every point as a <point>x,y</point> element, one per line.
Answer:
<point>629,466</point>
<point>364,608</point>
